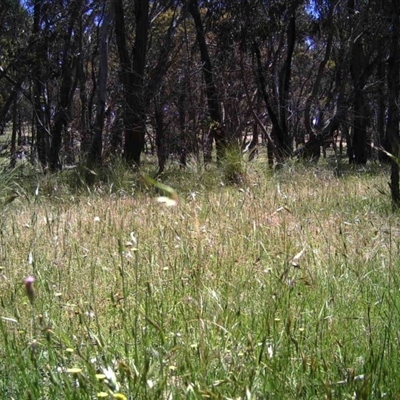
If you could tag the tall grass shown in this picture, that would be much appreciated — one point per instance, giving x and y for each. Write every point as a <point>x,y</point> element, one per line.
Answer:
<point>278,287</point>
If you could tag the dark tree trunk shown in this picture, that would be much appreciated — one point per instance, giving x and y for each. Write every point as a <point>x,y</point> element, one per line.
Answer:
<point>278,113</point>
<point>359,106</point>
<point>14,133</point>
<point>132,78</point>
<point>183,133</point>
<point>381,111</point>
<point>84,113</point>
<point>284,86</point>
<point>160,135</point>
<point>315,151</point>
<point>217,131</point>
<point>96,147</point>
<point>359,72</point>
<point>62,116</point>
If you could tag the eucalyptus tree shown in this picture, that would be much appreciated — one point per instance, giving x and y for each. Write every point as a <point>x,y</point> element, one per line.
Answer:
<point>217,131</point>
<point>13,69</point>
<point>132,75</point>
<point>269,32</point>
<point>68,82</point>
<point>322,15</point>
<point>365,25</point>
<point>40,73</point>
<point>13,52</point>
<point>95,153</point>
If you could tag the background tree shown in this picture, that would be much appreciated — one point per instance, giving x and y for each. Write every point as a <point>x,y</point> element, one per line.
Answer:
<point>132,73</point>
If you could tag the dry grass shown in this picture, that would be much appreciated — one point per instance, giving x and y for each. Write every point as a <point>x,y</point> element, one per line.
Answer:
<point>284,285</point>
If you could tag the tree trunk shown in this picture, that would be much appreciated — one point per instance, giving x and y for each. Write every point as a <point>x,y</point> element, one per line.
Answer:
<point>358,68</point>
<point>41,127</point>
<point>62,116</point>
<point>96,148</point>
<point>132,78</point>
<point>183,132</point>
<point>84,125</point>
<point>284,86</point>
<point>274,143</point>
<point>315,149</point>
<point>160,135</point>
<point>217,131</point>
<point>14,133</point>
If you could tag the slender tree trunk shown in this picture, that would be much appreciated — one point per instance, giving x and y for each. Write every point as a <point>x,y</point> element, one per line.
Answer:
<point>284,86</point>
<point>357,68</point>
<point>314,142</point>
<point>217,130</point>
<point>14,133</point>
<point>39,88</point>
<point>274,144</point>
<point>160,135</point>
<point>62,116</point>
<point>96,147</point>
<point>381,111</point>
<point>183,133</point>
<point>84,113</point>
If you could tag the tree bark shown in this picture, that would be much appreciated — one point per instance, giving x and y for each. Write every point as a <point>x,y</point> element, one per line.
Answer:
<point>41,126</point>
<point>359,72</point>
<point>315,148</point>
<point>217,131</point>
<point>284,86</point>
<point>96,148</point>
<point>160,135</point>
<point>62,116</point>
<point>132,78</point>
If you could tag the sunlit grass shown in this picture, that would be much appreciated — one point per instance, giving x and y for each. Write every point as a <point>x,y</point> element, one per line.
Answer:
<point>278,286</point>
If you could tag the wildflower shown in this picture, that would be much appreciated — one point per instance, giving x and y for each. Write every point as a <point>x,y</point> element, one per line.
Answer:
<point>30,291</point>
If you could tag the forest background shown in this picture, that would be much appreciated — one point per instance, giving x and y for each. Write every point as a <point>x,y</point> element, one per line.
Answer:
<point>83,81</point>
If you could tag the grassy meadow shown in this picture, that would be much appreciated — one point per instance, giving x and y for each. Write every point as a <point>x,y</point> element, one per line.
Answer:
<point>282,286</point>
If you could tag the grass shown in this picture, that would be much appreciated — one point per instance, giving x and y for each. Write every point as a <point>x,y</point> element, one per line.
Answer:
<point>282,286</point>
